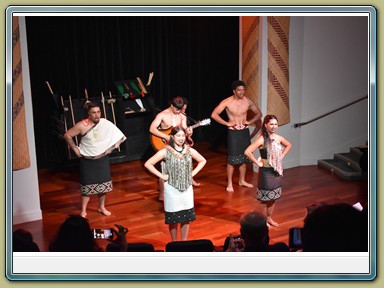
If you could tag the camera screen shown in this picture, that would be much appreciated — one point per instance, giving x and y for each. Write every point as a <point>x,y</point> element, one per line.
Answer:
<point>295,237</point>
<point>102,233</point>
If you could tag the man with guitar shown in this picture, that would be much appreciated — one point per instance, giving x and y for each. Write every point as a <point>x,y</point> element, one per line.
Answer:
<point>162,125</point>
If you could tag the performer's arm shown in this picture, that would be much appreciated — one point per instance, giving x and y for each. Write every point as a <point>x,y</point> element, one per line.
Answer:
<point>217,111</point>
<point>252,148</point>
<point>74,131</point>
<point>155,124</point>
<point>255,110</point>
<point>201,161</point>
<point>287,147</point>
<point>151,162</point>
<point>184,124</point>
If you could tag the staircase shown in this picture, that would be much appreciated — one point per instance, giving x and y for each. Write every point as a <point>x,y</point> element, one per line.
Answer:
<point>345,165</point>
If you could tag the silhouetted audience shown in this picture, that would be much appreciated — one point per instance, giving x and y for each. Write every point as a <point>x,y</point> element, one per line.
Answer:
<point>335,228</point>
<point>74,235</point>
<point>22,241</point>
<point>254,233</point>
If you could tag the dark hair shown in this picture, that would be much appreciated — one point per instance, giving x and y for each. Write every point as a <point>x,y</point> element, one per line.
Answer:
<point>185,100</point>
<point>174,131</point>
<point>88,106</point>
<point>74,235</point>
<point>177,102</point>
<point>267,118</point>
<point>335,228</point>
<point>22,241</point>
<point>236,84</point>
<point>253,227</point>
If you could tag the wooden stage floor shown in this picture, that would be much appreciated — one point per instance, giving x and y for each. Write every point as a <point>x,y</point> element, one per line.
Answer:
<point>134,201</point>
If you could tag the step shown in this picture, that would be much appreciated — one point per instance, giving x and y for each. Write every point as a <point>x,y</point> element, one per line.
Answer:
<point>351,159</point>
<point>340,168</point>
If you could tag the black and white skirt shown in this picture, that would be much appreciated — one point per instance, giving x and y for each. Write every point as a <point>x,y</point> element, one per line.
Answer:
<point>95,176</point>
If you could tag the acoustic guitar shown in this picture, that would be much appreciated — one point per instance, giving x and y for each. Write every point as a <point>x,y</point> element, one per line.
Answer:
<point>159,143</point>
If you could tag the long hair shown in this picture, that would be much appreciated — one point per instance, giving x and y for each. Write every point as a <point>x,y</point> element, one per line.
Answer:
<point>74,235</point>
<point>174,131</point>
<point>267,118</point>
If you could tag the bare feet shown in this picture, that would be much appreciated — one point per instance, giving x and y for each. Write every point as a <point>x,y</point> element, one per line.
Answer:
<point>194,183</point>
<point>105,212</point>
<point>246,184</point>
<point>230,189</point>
<point>83,214</point>
<point>271,222</point>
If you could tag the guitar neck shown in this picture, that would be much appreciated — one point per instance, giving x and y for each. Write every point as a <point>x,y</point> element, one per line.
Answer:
<point>195,125</point>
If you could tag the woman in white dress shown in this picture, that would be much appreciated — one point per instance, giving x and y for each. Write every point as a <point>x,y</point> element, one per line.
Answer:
<point>177,174</point>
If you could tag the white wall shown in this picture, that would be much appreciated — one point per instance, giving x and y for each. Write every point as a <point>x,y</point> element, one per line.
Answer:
<point>328,65</point>
<point>334,73</point>
<point>26,199</point>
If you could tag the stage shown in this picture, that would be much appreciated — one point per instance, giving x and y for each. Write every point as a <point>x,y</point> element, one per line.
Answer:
<point>134,201</point>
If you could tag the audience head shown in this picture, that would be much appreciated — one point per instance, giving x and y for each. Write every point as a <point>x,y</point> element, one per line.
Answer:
<point>74,235</point>
<point>335,228</point>
<point>22,241</point>
<point>254,229</point>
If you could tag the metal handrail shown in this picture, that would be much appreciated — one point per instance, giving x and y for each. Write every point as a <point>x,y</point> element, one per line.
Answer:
<point>326,114</point>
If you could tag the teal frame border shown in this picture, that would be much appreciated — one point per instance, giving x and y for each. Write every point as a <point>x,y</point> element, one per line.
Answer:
<point>198,9</point>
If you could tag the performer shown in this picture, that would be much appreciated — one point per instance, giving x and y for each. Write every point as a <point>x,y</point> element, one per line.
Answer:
<point>99,138</point>
<point>273,149</point>
<point>189,123</point>
<point>170,117</point>
<point>236,107</point>
<point>178,173</point>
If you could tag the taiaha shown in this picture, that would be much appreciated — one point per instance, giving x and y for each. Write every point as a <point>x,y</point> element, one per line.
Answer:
<point>103,102</point>
<point>73,117</point>
<point>111,101</point>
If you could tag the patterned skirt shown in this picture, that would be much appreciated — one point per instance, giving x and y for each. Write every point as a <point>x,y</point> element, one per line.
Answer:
<point>95,176</point>
<point>269,186</point>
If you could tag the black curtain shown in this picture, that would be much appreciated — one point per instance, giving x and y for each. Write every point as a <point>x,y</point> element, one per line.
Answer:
<point>191,56</point>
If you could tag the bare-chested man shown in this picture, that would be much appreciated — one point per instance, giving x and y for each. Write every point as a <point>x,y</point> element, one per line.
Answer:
<point>170,117</point>
<point>236,107</point>
<point>99,137</point>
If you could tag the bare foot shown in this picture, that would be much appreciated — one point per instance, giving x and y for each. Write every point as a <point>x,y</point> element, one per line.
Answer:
<point>105,212</point>
<point>230,189</point>
<point>83,214</point>
<point>271,222</point>
<point>194,183</point>
<point>246,184</point>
